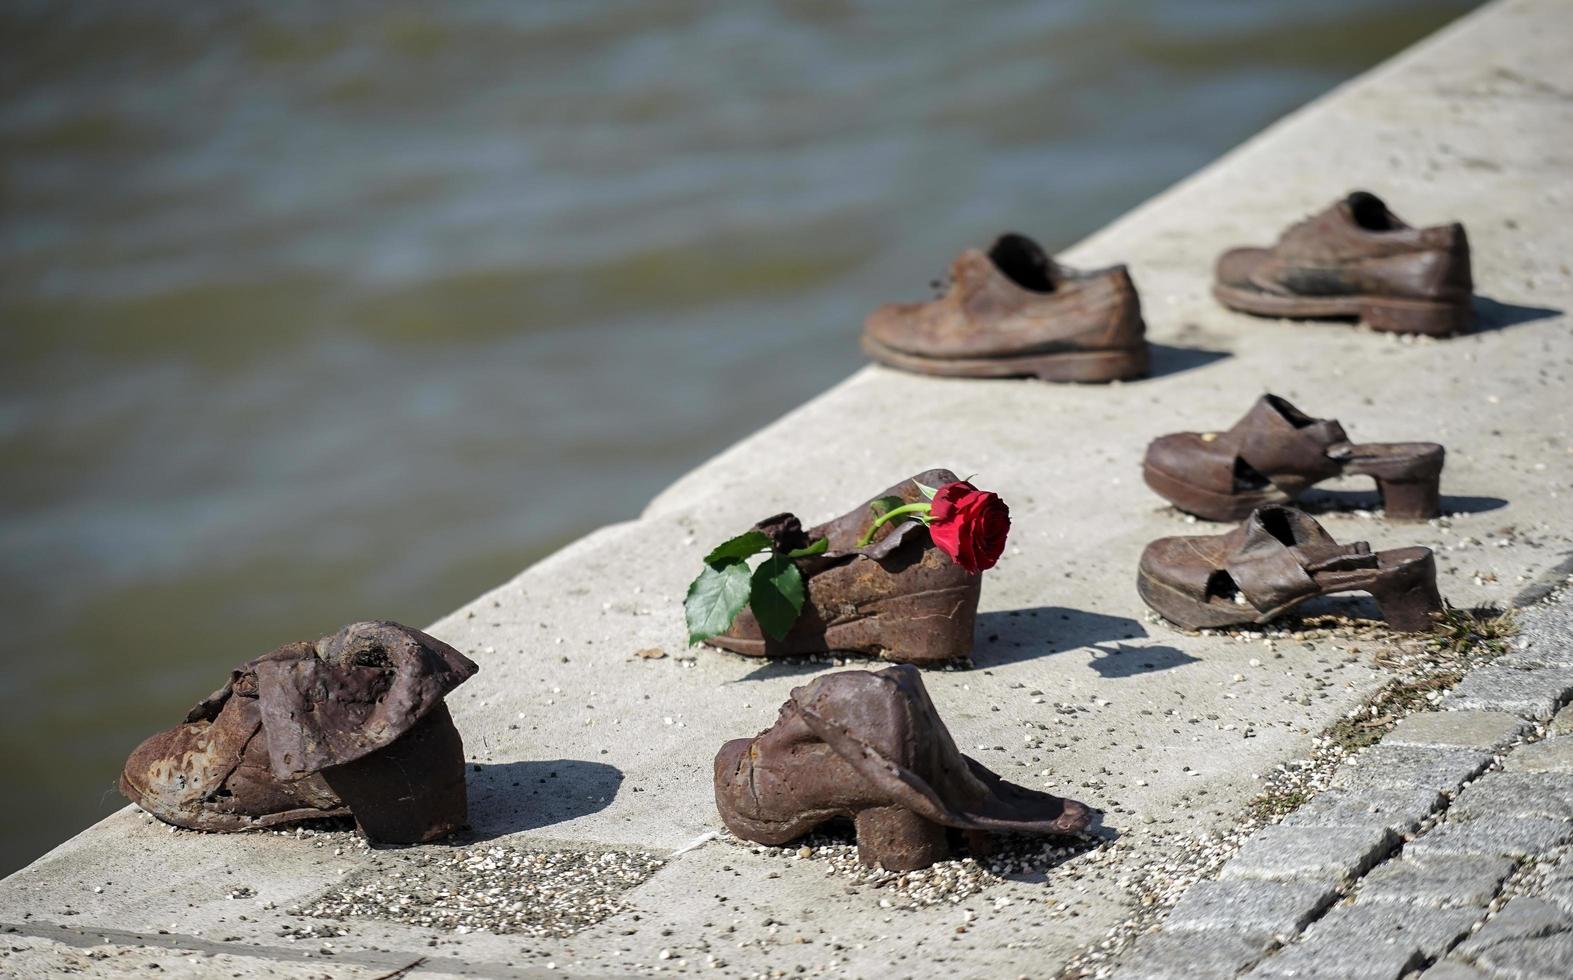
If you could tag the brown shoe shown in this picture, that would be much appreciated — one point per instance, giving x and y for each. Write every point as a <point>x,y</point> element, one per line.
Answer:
<point>1277,452</point>
<point>354,724</point>
<point>900,598</point>
<point>869,745</point>
<point>1356,259</point>
<point>1013,312</point>
<point>1273,562</point>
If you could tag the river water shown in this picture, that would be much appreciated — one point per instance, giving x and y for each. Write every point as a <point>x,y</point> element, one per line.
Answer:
<point>315,313</point>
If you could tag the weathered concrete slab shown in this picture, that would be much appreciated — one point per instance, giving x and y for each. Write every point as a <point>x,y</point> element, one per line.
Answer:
<point>1483,730</point>
<point>1399,809</point>
<point>1259,909</point>
<point>1375,941</point>
<point>1533,795</point>
<point>1536,692</point>
<point>1441,881</point>
<point>1528,938</point>
<point>1187,955</point>
<point>1279,853</point>
<point>1553,756</point>
<point>1408,766</point>
<point>1492,837</point>
<point>1168,727</point>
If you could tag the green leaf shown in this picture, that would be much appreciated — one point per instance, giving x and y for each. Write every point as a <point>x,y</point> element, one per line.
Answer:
<point>745,544</point>
<point>776,595</point>
<point>715,598</point>
<point>885,505</point>
<point>928,492</point>
<point>817,548</point>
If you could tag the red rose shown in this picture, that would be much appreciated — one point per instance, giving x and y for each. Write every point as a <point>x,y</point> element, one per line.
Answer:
<point>969,525</point>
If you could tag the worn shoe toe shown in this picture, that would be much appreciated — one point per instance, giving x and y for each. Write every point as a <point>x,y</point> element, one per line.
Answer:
<point>1237,266</point>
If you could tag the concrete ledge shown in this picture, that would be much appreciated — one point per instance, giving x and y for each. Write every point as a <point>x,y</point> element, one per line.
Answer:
<point>1169,729</point>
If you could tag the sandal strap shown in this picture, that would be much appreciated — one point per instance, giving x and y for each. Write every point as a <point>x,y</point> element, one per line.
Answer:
<point>1271,574</point>
<point>1273,445</point>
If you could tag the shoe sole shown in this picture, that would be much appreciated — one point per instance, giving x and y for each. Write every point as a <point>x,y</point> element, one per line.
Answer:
<point>923,629</point>
<point>1076,367</point>
<point>1208,504</point>
<point>1402,499</point>
<point>1408,607</point>
<point>1383,313</point>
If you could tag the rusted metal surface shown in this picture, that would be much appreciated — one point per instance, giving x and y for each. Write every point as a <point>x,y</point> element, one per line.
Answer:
<point>1012,311</point>
<point>870,745</point>
<point>899,597</point>
<point>352,724</point>
<point>1278,558</point>
<point>1275,453</point>
<point>412,790</point>
<point>1356,258</point>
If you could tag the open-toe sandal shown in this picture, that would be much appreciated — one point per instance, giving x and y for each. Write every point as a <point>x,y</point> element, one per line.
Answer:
<point>1276,560</point>
<point>1277,452</point>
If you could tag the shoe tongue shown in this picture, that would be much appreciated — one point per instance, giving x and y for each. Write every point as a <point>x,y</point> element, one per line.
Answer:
<point>1025,263</point>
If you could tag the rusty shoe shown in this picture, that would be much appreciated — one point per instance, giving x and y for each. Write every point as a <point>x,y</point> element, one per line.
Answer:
<point>1356,259</point>
<point>1277,452</point>
<point>1013,312</point>
<point>354,724</point>
<point>869,745</point>
<point>1273,562</point>
<point>900,598</point>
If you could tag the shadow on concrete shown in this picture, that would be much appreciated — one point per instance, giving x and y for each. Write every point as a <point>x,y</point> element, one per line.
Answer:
<point>1493,315</point>
<point>509,797</point>
<point>1320,502</point>
<point>1127,660</point>
<point>1166,360</point>
<point>803,666</point>
<point>1023,634</point>
<point>1015,635</point>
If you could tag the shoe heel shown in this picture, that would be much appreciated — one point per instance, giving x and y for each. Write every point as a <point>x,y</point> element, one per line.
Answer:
<point>896,839</point>
<point>1413,604</point>
<point>413,790</point>
<point>1434,319</point>
<point>1411,500</point>
<point>934,629</point>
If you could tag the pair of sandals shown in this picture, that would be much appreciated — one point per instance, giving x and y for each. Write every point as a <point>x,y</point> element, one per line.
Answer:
<point>1280,557</point>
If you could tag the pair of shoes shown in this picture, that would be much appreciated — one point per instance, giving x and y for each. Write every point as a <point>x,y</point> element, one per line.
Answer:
<point>870,746</point>
<point>1012,311</point>
<point>1280,557</point>
<point>352,725</point>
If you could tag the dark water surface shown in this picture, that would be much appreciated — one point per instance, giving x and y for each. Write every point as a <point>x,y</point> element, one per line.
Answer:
<point>315,313</point>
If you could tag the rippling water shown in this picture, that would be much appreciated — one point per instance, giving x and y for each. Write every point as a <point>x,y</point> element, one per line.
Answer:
<point>314,313</point>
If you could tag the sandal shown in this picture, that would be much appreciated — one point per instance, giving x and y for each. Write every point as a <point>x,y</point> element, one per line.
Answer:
<point>1277,452</point>
<point>1273,562</point>
<point>352,725</point>
<point>869,745</point>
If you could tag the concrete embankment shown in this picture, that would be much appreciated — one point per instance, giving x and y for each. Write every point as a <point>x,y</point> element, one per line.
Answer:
<point>579,743</point>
